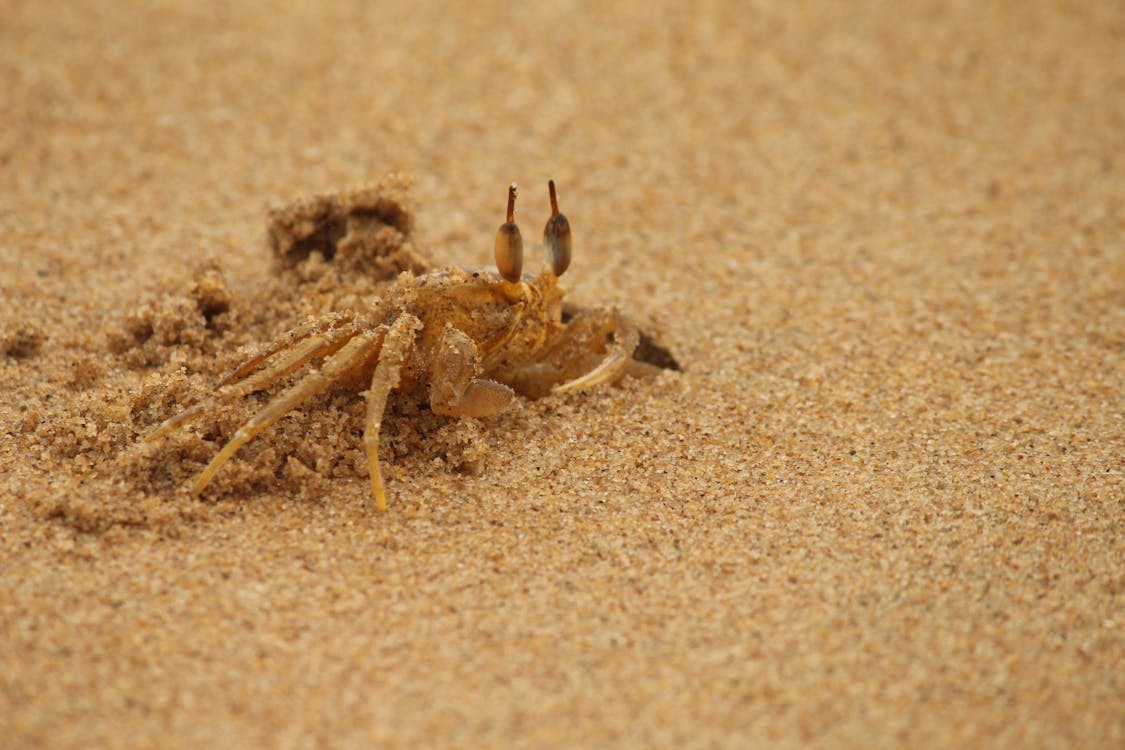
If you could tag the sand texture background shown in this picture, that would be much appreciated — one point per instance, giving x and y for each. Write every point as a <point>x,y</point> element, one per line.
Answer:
<point>881,505</point>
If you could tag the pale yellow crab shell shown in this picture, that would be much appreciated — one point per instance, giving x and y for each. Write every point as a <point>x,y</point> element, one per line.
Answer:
<point>510,322</point>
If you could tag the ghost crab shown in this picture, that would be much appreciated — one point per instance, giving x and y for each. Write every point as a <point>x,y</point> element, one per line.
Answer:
<point>468,339</point>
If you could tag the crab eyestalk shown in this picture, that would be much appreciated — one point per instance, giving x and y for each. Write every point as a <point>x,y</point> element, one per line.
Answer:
<point>556,236</point>
<point>509,244</point>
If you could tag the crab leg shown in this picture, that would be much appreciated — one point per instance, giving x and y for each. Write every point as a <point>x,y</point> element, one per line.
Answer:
<point>324,343</point>
<point>350,356</point>
<point>310,327</point>
<point>397,347</point>
<point>619,354</point>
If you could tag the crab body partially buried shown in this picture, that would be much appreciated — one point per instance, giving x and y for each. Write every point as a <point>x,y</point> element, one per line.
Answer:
<point>467,340</point>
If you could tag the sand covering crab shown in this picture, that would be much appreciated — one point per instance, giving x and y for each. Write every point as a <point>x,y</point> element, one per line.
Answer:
<point>469,340</point>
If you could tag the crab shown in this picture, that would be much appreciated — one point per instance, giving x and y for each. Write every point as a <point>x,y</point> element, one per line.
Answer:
<point>468,340</point>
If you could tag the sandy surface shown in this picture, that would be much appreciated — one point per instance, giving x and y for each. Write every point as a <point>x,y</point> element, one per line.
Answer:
<point>881,505</point>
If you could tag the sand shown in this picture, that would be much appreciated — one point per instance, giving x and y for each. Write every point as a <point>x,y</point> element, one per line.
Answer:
<point>881,505</point>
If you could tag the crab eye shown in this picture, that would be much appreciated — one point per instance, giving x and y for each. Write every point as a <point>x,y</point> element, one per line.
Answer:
<point>509,244</point>
<point>556,236</point>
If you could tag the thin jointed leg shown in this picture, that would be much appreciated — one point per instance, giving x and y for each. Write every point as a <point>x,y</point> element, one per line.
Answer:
<point>398,344</point>
<point>619,350</point>
<point>320,345</point>
<point>311,327</point>
<point>352,355</point>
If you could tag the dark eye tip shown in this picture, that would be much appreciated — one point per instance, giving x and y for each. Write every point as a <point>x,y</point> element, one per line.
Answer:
<point>554,197</point>
<point>513,190</point>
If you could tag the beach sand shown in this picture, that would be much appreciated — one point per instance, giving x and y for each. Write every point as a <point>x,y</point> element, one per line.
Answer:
<point>881,504</point>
